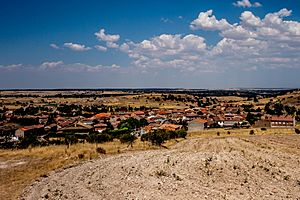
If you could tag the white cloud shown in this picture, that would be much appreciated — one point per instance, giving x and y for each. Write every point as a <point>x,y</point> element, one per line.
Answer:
<point>76,67</point>
<point>207,21</point>
<point>251,44</point>
<point>166,20</point>
<point>54,46</point>
<point>112,45</point>
<point>12,67</point>
<point>51,65</point>
<point>101,48</point>
<point>166,51</point>
<point>246,4</point>
<point>76,47</point>
<point>109,39</point>
<point>106,37</point>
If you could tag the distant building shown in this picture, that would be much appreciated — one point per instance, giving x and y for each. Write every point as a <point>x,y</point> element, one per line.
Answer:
<point>197,125</point>
<point>262,123</point>
<point>170,127</point>
<point>276,121</point>
<point>282,121</point>
<point>30,130</point>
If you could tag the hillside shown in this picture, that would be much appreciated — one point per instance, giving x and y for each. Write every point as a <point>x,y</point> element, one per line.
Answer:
<point>245,167</point>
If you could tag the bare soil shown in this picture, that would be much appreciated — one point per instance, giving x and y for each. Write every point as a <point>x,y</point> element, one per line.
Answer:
<point>244,167</point>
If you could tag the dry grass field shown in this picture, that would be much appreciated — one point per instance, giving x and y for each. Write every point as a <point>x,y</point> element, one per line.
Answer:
<point>18,168</point>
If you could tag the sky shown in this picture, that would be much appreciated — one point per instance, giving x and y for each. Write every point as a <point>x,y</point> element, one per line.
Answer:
<point>147,44</point>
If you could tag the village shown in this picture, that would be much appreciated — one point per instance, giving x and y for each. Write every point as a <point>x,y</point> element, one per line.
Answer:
<point>47,122</point>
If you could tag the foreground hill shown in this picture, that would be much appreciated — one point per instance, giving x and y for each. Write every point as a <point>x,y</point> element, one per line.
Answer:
<point>252,167</point>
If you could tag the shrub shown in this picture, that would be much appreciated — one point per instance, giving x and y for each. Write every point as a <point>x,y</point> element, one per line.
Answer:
<point>297,131</point>
<point>161,172</point>
<point>263,129</point>
<point>218,133</point>
<point>27,141</point>
<point>70,139</point>
<point>228,132</point>
<point>99,138</point>
<point>127,138</point>
<point>251,132</point>
<point>100,150</point>
<point>81,156</point>
<point>182,134</point>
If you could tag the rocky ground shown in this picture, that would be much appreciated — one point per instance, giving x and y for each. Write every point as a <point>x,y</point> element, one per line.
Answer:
<point>252,167</point>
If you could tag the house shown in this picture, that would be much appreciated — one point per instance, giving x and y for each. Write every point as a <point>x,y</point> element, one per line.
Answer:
<point>7,133</point>
<point>262,123</point>
<point>274,121</point>
<point>103,116</point>
<point>231,120</point>
<point>282,121</point>
<point>100,127</point>
<point>170,127</point>
<point>75,130</point>
<point>30,130</point>
<point>197,125</point>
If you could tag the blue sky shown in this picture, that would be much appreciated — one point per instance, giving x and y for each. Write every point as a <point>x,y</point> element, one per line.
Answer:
<point>53,44</point>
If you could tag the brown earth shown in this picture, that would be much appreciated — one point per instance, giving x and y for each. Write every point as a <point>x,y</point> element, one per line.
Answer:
<point>244,167</point>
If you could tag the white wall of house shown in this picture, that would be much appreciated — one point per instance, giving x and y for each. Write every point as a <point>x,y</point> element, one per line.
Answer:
<point>19,133</point>
<point>195,126</point>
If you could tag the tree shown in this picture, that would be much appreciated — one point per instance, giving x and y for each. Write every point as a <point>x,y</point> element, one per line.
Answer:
<point>128,138</point>
<point>251,118</point>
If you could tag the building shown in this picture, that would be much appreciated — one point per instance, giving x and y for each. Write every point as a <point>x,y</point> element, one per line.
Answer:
<point>262,123</point>
<point>197,125</point>
<point>170,127</point>
<point>33,130</point>
<point>274,121</point>
<point>282,121</point>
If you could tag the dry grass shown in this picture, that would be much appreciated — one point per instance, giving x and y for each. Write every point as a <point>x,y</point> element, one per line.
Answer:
<point>19,168</point>
<point>240,132</point>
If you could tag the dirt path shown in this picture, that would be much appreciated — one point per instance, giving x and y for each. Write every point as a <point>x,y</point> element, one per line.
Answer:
<point>256,167</point>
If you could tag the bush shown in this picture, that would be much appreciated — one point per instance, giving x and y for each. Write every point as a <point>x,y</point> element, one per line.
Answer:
<point>99,138</point>
<point>297,131</point>
<point>70,139</point>
<point>182,134</point>
<point>251,132</point>
<point>160,136</point>
<point>29,141</point>
<point>127,138</point>
<point>81,156</point>
<point>100,150</point>
<point>263,129</point>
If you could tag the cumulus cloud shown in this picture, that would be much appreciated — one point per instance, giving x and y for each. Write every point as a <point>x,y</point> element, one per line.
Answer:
<point>251,44</point>
<point>109,39</point>
<point>106,37</point>
<point>76,67</point>
<point>166,51</point>
<point>207,21</point>
<point>101,48</point>
<point>246,4</point>
<point>112,45</point>
<point>76,47</point>
<point>54,46</point>
<point>12,67</point>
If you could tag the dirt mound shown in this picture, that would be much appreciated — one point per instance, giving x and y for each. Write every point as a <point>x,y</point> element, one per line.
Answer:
<point>256,167</point>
